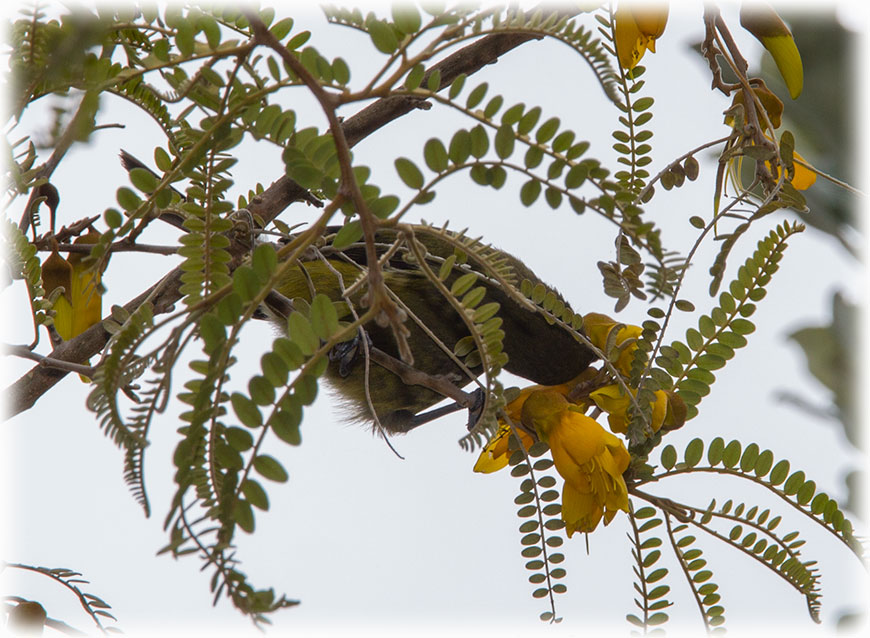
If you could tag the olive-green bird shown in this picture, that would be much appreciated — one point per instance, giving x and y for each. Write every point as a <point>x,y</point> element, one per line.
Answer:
<point>541,352</point>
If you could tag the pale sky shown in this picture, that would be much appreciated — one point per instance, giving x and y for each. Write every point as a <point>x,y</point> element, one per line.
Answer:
<point>370,543</point>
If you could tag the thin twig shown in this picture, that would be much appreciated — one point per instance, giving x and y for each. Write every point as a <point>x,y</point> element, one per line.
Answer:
<point>26,353</point>
<point>122,246</point>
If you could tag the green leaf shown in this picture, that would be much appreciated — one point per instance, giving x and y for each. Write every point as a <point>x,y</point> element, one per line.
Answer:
<point>383,36</point>
<point>262,392</point>
<point>493,106</point>
<point>528,120</point>
<point>435,155</point>
<point>415,77</point>
<point>685,305</point>
<point>348,234</point>
<point>642,105</point>
<point>255,494</point>
<point>694,339</point>
<point>742,326</point>
<point>274,368</point>
<point>513,114</point>
<point>239,439</point>
<point>710,362</point>
<point>530,192</point>
<point>264,260</point>
<point>731,456</point>
<point>184,37</point>
<point>340,71</point>
<point>763,463</point>
<point>504,142</point>
<point>302,334</point>
<point>820,503</point>
<point>715,451</point>
<point>128,199</point>
<point>244,515</point>
<point>779,473</point>
<point>575,177</point>
<point>547,130</point>
<point>533,157</point>
<point>229,309</point>
<point>306,388</point>
<point>694,452</point>
<point>479,141</point>
<point>732,339</point>
<point>247,411</point>
<point>384,206</point>
<point>269,467</point>
<point>298,40</point>
<point>463,284</point>
<point>749,458</point>
<point>531,539</point>
<point>794,483</point>
<point>476,96</point>
<point>144,180</point>
<point>406,17</point>
<point>281,28</point>
<point>324,318</point>
<point>668,457</point>
<point>657,575</point>
<point>213,333</point>
<point>553,197</point>
<point>460,146</point>
<point>456,86</point>
<point>409,173</point>
<point>806,492</point>
<point>285,422</point>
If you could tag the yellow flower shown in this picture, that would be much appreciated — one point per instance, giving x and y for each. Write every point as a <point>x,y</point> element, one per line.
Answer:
<point>613,400</point>
<point>803,177</point>
<point>496,455</point>
<point>636,29</point>
<point>766,25</point>
<point>80,305</point>
<point>598,327</point>
<point>590,459</point>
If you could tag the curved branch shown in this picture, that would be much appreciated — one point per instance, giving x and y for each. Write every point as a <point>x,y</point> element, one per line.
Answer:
<point>24,392</point>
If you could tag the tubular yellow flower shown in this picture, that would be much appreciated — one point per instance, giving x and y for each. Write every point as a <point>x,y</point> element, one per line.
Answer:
<point>615,402</point>
<point>636,29</point>
<point>803,177</point>
<point>495,455</point>
<point>765,24</point>
<point>80,305</point>
<point>590,459</point>
<point>598,328</point>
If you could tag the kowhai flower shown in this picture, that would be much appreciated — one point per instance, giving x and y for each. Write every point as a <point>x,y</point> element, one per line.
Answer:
<point>590,459</point>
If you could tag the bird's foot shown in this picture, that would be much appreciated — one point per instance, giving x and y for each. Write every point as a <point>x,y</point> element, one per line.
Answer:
<point>475,408</point>
<point>348,353</point>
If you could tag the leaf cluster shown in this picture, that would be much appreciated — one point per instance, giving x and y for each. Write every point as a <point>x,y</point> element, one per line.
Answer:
<point>540,530</point>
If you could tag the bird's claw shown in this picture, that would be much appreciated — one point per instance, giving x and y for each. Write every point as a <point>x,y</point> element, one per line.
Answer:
<point>475,408</point>
<point>348,353</point>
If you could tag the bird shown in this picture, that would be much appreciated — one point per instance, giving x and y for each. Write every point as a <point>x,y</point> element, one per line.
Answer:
<point>537,348</point>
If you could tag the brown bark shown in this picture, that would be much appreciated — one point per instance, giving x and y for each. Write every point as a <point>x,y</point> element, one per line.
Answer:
<point>24,392</point>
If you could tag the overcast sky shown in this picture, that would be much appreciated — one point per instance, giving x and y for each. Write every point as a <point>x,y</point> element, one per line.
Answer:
<point>371,543</point>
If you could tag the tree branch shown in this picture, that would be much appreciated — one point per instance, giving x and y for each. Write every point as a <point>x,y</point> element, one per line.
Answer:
<point>24,392</point>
